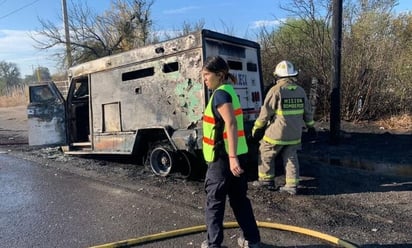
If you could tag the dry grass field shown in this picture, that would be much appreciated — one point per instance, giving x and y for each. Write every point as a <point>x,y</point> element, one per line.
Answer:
<point>16,97</point>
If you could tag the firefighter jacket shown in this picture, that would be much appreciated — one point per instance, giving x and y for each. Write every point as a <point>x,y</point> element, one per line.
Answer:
<point>215,138</point>
<point>284,113</point>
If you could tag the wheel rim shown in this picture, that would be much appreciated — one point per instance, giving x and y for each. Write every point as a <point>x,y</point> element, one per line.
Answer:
<point>161,161</point>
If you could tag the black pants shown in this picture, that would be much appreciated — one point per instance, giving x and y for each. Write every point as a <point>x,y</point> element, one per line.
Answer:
<point>220,183</point>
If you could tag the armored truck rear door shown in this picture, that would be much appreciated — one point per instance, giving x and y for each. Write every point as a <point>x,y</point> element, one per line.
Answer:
<point>243,58</point>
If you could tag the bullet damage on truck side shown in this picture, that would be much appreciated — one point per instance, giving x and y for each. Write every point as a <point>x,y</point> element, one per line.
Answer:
<point>151,109</point>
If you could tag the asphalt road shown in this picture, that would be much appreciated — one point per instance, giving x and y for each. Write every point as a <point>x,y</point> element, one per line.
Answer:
<point>44,207</point>
<point>48,199</point>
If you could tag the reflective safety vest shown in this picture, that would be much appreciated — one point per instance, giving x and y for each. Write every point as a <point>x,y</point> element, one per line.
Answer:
<point>209,127</point>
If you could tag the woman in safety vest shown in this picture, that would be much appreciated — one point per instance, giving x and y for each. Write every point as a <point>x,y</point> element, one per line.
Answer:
<point>224,149</point>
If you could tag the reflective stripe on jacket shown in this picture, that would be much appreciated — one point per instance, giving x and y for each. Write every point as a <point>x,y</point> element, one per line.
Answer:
<point>209,127</point>
<point>285,111</point>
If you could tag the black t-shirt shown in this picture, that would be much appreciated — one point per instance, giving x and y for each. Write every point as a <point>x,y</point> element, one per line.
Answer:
<point>220,97</point>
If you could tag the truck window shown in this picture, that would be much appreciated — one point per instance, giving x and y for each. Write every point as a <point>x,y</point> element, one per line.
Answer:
<point>41,93</point>
<point>228,49</point>
<point>170,67</point>
<point>81,89</point>
<point>146,72</point>
<point>235,65</point>
<point>251,67</point>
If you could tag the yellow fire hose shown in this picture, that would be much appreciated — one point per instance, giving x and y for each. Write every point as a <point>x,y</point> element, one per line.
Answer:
<point>202,228</point>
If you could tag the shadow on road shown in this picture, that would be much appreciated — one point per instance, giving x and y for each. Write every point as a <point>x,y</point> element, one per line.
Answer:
<point>361,162</point>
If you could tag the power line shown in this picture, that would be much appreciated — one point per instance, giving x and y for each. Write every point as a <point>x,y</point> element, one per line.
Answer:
<point>17,10</point>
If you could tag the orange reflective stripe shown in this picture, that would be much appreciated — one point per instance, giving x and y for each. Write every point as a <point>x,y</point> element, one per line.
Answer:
<point>238,111</point>
<point>240,133</point>
<point>209,119</point>
<point>208,141</point>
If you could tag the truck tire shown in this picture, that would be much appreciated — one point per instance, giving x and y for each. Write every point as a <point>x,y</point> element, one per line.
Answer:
<point>184,165</point>
<point>161,161</point>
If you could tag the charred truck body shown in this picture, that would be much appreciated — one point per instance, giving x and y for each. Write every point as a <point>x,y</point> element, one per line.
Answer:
<point>147,102</point>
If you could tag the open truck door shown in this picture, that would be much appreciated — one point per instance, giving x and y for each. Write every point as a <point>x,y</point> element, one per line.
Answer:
<point>46,115</point>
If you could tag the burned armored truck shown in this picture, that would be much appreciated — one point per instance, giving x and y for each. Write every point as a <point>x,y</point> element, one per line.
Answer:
<point>147,102</point>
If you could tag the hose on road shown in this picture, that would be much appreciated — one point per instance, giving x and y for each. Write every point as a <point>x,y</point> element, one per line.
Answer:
<point>226,225</point>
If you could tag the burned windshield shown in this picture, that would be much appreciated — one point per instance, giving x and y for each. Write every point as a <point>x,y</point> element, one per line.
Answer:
<point>41,93</point>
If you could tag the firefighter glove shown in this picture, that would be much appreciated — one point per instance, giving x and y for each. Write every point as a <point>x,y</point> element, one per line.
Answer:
<point>312,133</point>
<point>257,133</point>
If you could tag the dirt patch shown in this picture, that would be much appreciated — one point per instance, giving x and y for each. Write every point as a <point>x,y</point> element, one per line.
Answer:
<point>368,207</point>
<point>13,125</point>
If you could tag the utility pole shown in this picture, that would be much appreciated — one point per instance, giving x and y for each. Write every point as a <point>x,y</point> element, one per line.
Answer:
<point>67,34</point>
<point>38,74</point>
<point>336,72</point>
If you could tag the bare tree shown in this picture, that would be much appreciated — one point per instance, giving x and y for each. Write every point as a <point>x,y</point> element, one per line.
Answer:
<point>185,29</point>
<point>372,51</point>
<point>9,76</point>
<point>304,38</point>
<point>125,26</point>
<point>189,28</point>
<point>376,54</point>
<point>401,72</point>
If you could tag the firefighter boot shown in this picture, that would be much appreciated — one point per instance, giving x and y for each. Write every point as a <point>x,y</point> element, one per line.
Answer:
<point>264,184</point>
<point>289,190</point>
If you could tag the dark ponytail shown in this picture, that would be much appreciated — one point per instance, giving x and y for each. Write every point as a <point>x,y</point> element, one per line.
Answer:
<point>217,64</point>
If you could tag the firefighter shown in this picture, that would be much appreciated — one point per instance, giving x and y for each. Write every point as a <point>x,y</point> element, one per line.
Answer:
<point>225,149</point>
<point>284,113</point>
